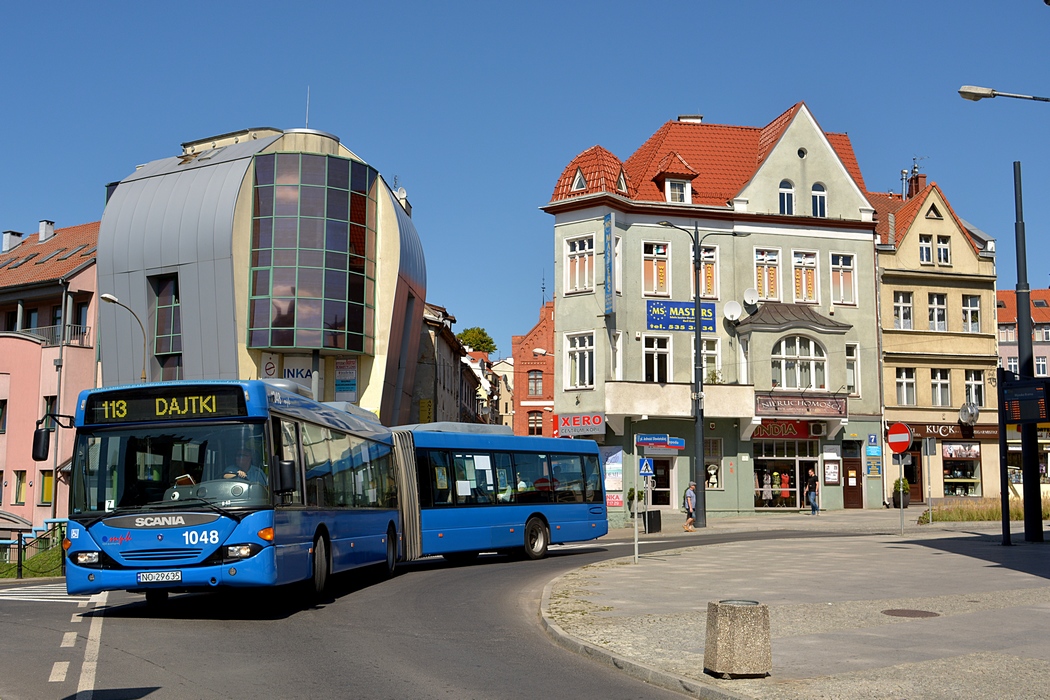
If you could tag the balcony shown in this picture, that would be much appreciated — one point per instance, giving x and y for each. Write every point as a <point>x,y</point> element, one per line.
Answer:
<point>52,335</point>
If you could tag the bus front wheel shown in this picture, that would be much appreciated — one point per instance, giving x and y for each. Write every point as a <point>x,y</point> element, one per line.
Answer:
<point>391,552</point>
<point>536,539</point>
<point>320,577</point>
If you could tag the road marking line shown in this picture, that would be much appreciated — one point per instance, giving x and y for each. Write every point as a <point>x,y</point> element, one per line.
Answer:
<point>82,604</point>
<point>86,686</point>
<point>77,618</point>
<point>58,672</point>
<point>69,639</point>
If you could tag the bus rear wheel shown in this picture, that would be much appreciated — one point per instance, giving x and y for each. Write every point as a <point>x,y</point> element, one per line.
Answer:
<point>320,567</point>
<point>536,539</point>
<point>391,552</point>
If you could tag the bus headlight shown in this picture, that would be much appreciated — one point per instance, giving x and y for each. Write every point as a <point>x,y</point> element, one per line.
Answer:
<point>238,551</point>
<point>86,557</point>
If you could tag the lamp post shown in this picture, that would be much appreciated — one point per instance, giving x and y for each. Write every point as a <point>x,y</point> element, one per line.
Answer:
<point>699,471</point>
<point>110,299</point>
<point>1033,515</point>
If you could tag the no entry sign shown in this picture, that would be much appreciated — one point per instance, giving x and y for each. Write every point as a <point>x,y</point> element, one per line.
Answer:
<point>899,438</point>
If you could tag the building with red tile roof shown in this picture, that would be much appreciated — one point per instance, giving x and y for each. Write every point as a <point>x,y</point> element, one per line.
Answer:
<point>533,355</point>
<point>47,356</point>
<point>625,231</point>
<point>937,287</point>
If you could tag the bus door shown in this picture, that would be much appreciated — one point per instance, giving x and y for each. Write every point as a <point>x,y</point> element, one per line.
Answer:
<point>292,541</point>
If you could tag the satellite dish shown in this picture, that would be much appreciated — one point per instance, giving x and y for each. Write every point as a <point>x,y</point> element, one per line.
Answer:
<point>750,296</point>
<point>732,310</point>
<point>969,413</point>
<point>401,193</point>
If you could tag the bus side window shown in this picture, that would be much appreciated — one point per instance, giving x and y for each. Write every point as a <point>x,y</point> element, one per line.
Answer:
<point>342,471</point>
<point>287,448</point>
<point>533,478</point>
<point>319,487</point>
<point>506,484</point>
<point>441,472</point>
<point>423,478</point>
<point>568,478</point>
<point>593,478</point>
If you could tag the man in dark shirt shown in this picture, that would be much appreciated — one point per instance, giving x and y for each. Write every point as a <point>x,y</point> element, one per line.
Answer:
<point>811,493</point>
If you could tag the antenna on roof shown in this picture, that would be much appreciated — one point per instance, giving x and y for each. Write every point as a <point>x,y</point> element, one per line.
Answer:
<point>543,286</point>
<point>307,106</point>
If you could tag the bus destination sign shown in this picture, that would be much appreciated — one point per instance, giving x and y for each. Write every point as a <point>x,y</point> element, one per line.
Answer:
<point>165,403</point>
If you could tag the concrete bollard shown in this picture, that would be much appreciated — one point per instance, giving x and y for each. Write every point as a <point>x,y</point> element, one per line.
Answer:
<point>737,642</point>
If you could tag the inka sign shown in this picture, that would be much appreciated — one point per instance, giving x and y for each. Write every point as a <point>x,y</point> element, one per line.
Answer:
<point>581,424</point>
<point>678,316</point>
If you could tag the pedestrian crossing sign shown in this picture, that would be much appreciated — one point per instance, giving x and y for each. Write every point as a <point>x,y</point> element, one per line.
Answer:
<point>645,466</point>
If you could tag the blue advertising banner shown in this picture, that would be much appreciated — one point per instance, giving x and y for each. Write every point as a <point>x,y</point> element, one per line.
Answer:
<point>678,316</point>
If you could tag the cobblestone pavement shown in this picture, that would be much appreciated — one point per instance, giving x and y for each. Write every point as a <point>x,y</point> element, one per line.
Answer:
<point>985,633</point>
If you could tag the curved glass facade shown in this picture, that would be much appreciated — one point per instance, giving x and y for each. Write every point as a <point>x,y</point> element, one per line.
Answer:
<point>313,261</point>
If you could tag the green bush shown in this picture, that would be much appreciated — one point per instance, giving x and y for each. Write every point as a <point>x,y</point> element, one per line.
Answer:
<point>979,510</point>
<point>901,485</point>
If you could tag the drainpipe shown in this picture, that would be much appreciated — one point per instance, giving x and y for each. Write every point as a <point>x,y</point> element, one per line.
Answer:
<point>58,396</point>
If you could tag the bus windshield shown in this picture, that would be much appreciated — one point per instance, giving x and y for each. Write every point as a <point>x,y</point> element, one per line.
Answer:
<point>159,466</point>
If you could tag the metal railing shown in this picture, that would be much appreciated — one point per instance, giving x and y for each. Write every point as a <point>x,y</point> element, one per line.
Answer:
<point>52,335</point>
<point>18,552</point>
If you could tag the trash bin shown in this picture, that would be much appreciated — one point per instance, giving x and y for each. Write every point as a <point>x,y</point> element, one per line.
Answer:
<point>652,521</point>
<point>737,644</point>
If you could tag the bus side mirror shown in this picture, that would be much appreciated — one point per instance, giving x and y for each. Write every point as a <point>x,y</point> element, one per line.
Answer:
<point>285,476</point>
<point>41,444</point>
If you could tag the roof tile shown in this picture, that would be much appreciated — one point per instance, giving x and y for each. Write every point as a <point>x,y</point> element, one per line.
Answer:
<point>32,262</point>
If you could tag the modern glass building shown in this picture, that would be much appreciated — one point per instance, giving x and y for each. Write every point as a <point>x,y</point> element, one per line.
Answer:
<point>264,253</point>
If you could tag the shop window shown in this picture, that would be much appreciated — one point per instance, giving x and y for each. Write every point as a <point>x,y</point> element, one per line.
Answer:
<point>962,468</point>
<point>713,464</point>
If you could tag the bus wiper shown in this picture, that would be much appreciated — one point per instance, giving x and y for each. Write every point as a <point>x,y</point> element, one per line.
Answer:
<point>110,513</point>
<point>170,505</point>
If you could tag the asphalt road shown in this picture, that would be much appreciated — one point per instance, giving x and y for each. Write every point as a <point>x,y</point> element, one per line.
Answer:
<point>433,631</point>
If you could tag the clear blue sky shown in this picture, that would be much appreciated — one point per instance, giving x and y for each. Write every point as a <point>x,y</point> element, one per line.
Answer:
<point>477,107</point>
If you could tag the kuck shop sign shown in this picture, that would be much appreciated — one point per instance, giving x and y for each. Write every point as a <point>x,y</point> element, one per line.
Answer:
<point>581,424</point>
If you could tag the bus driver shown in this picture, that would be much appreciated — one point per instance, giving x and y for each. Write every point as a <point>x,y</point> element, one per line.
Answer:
<point>244,469</point>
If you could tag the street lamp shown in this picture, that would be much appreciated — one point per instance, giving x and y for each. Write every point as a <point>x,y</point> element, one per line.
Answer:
<point>974,93</point>
<point>699,471</point>
<point>1033,515</point>
<point>110,299</point>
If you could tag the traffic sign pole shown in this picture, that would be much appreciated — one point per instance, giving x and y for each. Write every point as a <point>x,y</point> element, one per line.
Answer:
<point>899,438</point>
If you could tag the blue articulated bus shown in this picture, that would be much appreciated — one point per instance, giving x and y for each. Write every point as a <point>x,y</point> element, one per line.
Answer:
<point>484,489</point>
<point>181,486</point>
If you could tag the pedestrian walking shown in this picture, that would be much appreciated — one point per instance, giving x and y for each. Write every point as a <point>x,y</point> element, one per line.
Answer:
<point>811,493</point>
<point>689,503</point>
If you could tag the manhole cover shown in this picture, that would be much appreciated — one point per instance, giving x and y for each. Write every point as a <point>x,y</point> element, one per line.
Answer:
<point>910,613</point>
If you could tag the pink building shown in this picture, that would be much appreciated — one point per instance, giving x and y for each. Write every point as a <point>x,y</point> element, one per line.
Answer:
<point>47,356</point>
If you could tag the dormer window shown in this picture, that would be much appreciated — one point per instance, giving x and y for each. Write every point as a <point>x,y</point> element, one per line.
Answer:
<point>787,198</point>
<point>579,183</point>
<point>678,192</point>
<point>621,183</point>
<point>820,201</point>
<point>933,213</point>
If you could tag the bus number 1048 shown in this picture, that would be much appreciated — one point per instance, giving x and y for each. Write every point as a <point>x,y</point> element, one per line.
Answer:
<point>201,537</point>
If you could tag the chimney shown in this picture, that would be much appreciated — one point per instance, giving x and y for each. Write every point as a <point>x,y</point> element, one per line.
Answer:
<point>691,118</point>
<point>47,229</point>
<point>11,239</point>
<point>916,183</point>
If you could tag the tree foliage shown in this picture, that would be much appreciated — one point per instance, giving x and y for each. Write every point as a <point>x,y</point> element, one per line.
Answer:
<point>478,339</point>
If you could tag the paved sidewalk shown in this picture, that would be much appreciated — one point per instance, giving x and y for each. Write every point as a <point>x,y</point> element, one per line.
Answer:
<point>988,635</point>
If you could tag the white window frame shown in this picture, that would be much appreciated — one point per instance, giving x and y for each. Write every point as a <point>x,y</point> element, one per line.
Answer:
<point>1042,333</point>
<point>1040,365</point>
<point>971,312</point>
<point>616,360</point>
<point>903,310</point>
<point>767,259</point>
<point>787,198</point>
<point>712,358</point>
<point>804,264</point>
<point>906,386</point>
<point>844,279</point>
<point>579,182</point>
<point>938,311</point>
<point>820,200</point>
<point>787,361</point>
<point>925,249</point>
<point>579,360</point>
<point>618,263</point>
<point>708,265</point>
<point>944,250</point>
<point>579,264</point>
<point>657,346</point>
<point>1012,364</point>
<point>940,386</point>
<point>853,366</point>
<point>975,386</point>
<point>672,187</point>
<point>1007,333</point>
<point>653,260</point>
